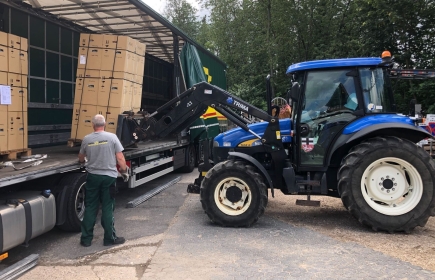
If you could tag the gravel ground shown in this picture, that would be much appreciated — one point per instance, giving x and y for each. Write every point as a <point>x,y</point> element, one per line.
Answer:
<point>333,220</point>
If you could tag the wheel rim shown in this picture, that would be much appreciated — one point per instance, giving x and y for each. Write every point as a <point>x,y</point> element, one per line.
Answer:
<point>233,196</point>
<point>80,202</point>
<point>391,186</point>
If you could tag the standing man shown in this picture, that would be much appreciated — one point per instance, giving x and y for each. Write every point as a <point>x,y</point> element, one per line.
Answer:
<point>100,151</point>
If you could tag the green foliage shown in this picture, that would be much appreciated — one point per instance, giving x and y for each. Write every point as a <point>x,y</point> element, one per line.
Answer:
<point>261,37</point>
<point>183,15</point>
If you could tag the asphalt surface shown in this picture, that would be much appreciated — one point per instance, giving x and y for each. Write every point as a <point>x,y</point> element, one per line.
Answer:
<point>170,237</point>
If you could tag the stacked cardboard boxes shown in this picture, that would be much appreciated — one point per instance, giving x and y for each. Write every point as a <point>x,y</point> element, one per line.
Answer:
<point>109,81</point>
<point>13,90</point>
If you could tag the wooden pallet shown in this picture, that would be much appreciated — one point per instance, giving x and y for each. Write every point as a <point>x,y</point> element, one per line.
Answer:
<point>74,143</point>
<point>14,154</point>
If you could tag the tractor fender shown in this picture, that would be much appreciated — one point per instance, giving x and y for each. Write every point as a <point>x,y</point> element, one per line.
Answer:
<point>256,163</point>
<point>412,133</point>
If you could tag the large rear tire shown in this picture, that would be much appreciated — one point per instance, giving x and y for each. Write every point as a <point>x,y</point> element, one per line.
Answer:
<point>74,186</point>
<point>233,194</point>
<point>387,183</point>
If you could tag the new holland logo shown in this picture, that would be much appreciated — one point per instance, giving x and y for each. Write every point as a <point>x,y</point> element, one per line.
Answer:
<point>240,105</point>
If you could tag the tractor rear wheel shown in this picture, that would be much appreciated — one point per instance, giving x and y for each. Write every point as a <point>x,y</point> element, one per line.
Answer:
<point>387,183</point>
<point>233,194</point>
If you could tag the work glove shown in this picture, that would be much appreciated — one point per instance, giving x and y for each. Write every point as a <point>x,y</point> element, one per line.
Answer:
<point>126,174</point>
<point>83,164</point>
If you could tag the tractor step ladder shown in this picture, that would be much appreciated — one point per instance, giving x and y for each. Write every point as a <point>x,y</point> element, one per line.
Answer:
<point>308,201</point>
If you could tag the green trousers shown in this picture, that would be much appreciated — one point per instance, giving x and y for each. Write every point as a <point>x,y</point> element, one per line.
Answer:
<point>99,188</point>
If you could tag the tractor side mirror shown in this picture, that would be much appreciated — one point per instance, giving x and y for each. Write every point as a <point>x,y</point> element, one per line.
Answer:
<point>295,92</point>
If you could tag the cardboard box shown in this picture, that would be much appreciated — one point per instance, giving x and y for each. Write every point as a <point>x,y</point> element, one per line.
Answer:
<point>140,66</point>
<point>90,73</point>
<point>18,100</point>
<point>132,66</point>
<point>112,118</point>
<point>14,41</point>
<point>78,92</point>
<point>84,127</point>
<point>117,75</point>
<point>75,120</point>
<point>123,76</point>
<point>96,41</point>
<point>122,61</point>
<point>90,91</point>
<point>24,81</point>
<point>108,60</point>
<point>14,80</point>
<point>140,48</point>
<point>126,43</point>
<point>110,41</point>
<point>136,98</point>
<point>3,39</point>
<point>103,92</point>
<point>94,59</point>
<point>84,40</point>
<point>14,61</point>
<point>24,65</point>
<point>82,58</point>
<point>3,128</point>
<point>3,78</point>
<point>4,58</point>
<point>17,124</point>
<point>102,110</point>
<point>23,44</point>
<point>120,94</point>
<point>138,80</point>
<point>80,73</point>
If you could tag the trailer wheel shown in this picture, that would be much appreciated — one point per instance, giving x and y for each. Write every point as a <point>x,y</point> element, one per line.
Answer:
<point>388,184</point>
<point>74,186</point>
<point>233,194</point>
<point>190,160</point>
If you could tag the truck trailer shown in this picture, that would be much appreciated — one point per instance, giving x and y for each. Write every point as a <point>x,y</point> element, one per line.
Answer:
<point>46,189</point>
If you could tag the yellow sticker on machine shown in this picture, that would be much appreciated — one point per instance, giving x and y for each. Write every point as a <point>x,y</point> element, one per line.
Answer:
<point>203,173</point>
<point>278,135</point>
<point>3,256</point>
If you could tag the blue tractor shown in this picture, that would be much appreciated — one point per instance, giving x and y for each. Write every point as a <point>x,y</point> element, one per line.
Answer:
<point>344,139</point>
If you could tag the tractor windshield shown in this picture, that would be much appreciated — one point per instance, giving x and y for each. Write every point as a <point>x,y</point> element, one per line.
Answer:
<point>376,90</point>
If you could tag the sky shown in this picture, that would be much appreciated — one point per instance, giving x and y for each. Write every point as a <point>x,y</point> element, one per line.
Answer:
<point>159,5</point>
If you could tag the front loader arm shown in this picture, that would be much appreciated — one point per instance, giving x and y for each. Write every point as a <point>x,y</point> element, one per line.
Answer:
<point>180,112</point>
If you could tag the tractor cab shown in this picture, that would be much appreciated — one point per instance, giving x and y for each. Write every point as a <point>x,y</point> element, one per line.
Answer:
<point>327,95</point>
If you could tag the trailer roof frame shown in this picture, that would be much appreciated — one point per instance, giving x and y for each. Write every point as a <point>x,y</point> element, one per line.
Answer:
<point>118,17</point>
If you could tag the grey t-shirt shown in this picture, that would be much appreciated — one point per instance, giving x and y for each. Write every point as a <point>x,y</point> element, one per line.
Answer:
<point>100,149</point>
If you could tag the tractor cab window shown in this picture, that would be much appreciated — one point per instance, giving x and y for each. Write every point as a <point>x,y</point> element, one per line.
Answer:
<point>328,103</point>
<point>376,90</point>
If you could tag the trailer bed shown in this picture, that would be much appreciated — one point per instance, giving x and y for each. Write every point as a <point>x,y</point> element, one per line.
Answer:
<point>64,159</point>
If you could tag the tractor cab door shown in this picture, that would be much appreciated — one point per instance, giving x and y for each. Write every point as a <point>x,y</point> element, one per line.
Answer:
<point>327,103</point>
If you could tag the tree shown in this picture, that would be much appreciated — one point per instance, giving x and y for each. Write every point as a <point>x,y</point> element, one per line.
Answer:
<point>183,15</point>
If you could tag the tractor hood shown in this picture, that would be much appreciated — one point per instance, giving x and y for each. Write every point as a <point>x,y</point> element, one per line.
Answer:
<point>236,136</point>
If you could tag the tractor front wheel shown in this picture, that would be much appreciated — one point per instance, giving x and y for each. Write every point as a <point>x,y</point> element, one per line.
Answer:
<point>233,194</point>
<point>388,184</point>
